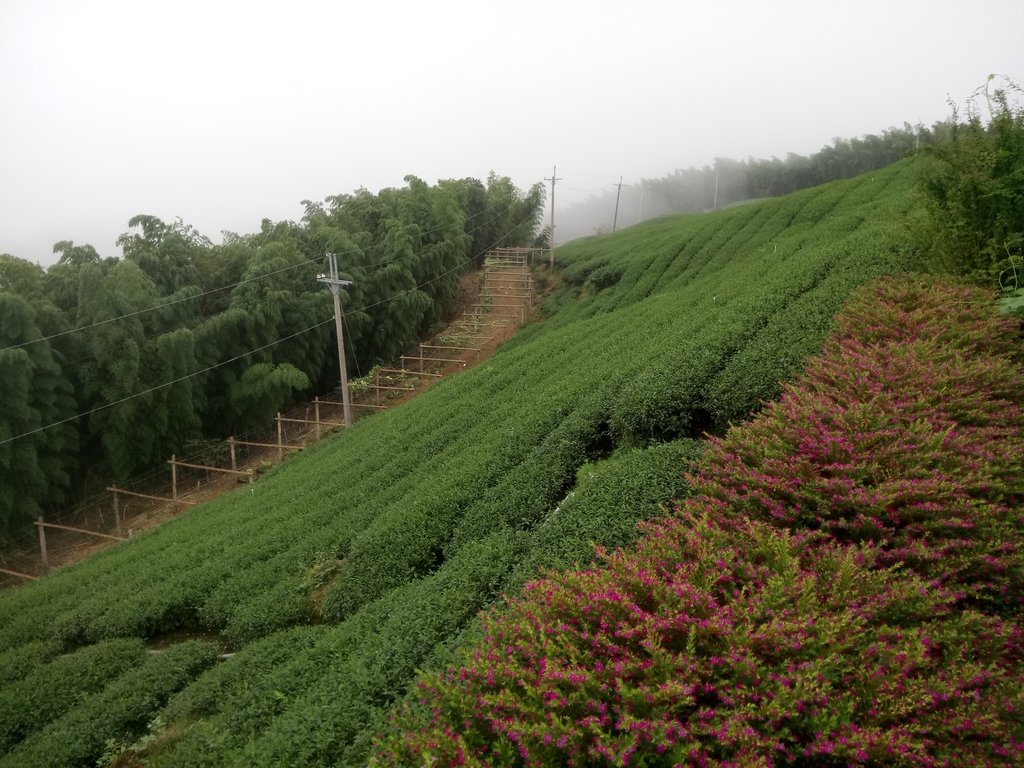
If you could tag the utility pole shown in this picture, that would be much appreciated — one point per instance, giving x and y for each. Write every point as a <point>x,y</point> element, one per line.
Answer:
<point>618,192</point>
<point>717,170</point>
<point>332,282</point>
<point>551,237</point>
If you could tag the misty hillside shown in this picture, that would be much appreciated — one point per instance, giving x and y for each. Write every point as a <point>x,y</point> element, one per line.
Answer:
<point>727,181</point>
<point>278,625</point>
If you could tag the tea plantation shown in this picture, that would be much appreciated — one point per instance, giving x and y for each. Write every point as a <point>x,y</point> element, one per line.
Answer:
<point>843,586</point>
<point>279,624</point>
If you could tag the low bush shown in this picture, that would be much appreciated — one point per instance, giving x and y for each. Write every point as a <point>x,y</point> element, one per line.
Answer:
<point>119,712</point>
<point>906,433</point>
<point>604,277</point>
<point>52,689</point>
<point>608,501</point>
<point>18,661</point>
<point>713,646</point>
<point>844,588</point>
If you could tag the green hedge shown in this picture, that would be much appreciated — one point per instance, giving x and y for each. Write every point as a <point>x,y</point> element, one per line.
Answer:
<point>119,712</point>
<point>52,689</point>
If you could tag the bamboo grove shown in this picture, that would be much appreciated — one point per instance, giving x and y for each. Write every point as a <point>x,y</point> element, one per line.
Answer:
<point>109,364</point>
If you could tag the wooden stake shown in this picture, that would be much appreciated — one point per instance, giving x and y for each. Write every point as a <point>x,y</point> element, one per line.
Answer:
<point>42,545</point>
<point>307,421</point>
<point>20,575</point>
<point>209,468</point>
<point>261,445</point>
<point>174,478</point>
<point>280,439</point>
<point>115,489</point>
<point>231,445</point>
<point>73,529</point>
<point>117,514</point>
<point>316,416</point>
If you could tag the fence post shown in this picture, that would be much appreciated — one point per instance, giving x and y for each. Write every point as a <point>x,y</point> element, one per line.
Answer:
<point>42,544</point>
<point>174,478</point>
<point>117,514</point>
<point>316,411</point>
<point>231,447</point>
<point>280,439</point>
<point>252,479</point>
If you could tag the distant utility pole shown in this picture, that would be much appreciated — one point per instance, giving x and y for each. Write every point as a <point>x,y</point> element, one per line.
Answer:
<point>615,219</point>
<point>551,237</point>
<point>332,282</point>
<point>717,170</point>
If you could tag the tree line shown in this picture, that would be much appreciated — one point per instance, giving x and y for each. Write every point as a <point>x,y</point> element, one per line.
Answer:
<point>727,181</point>
<point>108,364</point>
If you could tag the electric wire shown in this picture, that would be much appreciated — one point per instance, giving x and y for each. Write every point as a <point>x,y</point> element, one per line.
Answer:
<point>348,337</point>
<point>253,351</point>
<point>166,384</point>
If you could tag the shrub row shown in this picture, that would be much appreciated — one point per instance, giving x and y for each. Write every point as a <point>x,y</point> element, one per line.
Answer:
<point>711,646</point>
<point>288,682</point>
<point>119,712</point>
<point>822,600</point>
<point>52,689</point>
<point>608,501</point>
<point>905,433</point>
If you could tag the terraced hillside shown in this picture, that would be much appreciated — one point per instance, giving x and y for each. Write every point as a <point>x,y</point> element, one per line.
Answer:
<point>343,571</point>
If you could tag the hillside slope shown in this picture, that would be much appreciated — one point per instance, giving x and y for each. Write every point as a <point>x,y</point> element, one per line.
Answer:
<point>844,585</point>
<point>342,572</point>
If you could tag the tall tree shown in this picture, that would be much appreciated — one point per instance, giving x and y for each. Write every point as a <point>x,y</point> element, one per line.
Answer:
<point>976,194</point>
<point>167,253</point>
<point>121,426</point>
<point>37,450</point>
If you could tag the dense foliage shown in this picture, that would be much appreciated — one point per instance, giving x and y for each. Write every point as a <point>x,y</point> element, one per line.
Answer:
<point>344,571</point>
<point>181,339</point>
<point>726,640</point>
<point>905,434</point>
<point>975,195</point>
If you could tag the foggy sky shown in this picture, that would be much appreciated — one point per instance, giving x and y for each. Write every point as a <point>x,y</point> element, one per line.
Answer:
<point>225,113</point>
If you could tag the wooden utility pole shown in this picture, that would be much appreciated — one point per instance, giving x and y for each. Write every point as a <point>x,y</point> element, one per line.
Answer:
<point>42,544</point>
<point>332,282</point>
<point>615,219</point>
<point>717,172</point>
<point>551,236</point>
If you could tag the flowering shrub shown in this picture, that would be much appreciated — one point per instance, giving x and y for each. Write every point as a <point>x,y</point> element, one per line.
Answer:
<point>830,596</point>
<point>713,646</point>
<point>907,432</point>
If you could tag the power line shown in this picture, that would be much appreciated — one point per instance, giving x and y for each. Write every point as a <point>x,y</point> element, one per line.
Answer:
<point>162,386</point>
<point>246,354</point>
<point>591,191</point>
